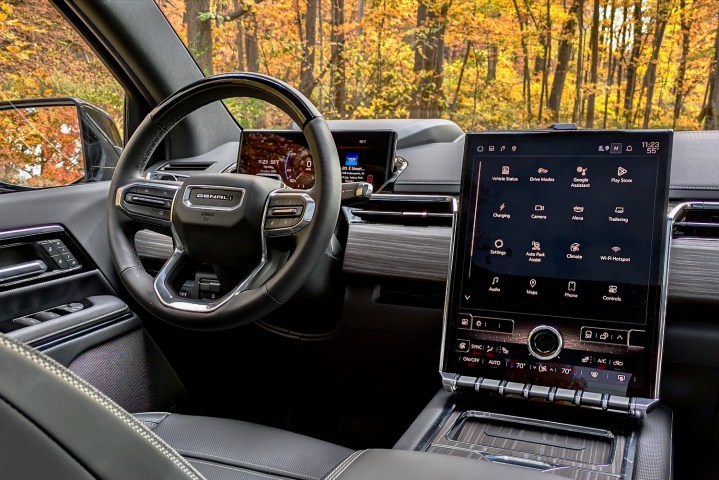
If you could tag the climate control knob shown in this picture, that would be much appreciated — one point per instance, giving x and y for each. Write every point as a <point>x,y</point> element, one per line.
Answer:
<point>544,342</point>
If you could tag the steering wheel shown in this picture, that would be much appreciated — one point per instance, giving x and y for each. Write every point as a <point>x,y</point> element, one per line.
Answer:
<point>261,238</point>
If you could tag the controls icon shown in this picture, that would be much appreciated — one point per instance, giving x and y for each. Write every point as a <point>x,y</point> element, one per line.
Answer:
<point>613,289</point>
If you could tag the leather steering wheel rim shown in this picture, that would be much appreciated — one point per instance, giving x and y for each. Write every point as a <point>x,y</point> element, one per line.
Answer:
<point>247,305</point>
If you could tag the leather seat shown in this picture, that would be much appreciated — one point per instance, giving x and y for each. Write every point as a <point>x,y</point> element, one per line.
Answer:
<point>231,449</point>
<point>55,425</point>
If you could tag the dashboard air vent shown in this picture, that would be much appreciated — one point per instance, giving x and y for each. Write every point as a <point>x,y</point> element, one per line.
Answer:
<point>697,220</point>
<point>421,210</point>
<point>186,166</point>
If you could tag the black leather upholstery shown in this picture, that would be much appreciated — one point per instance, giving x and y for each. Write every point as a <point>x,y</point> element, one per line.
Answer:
<point>55,425</point>
<point>235,449</point>
<point>402,465</point>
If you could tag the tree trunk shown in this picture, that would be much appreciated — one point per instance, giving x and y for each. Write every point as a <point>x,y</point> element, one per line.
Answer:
<point>240,41</point>
<point>251,48</point>
<point>664,9</point>
<point>633,62</point>
<point>337,57</point>
<point>710,112</point>
<point>686,27</point>
<point>564,53</point>
<point>429,58</point>
<point>526,75</point>
<point>547,52</point>
<point>492,53</point>
<point>610,62</point>
<point>307,30</point>
<point>594,64</point>
<point>580,64</point>
<point>199,34</point>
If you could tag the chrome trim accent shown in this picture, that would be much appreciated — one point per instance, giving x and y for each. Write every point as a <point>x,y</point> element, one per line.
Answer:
<point>445,314</point>
<point>400,164</point>
<point>550,355</point>
<point>198,306</point>
<point>189,204</point>
<point>21,270</point>
<point>26,232</point>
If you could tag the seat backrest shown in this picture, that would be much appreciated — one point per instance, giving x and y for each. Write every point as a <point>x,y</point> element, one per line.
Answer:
<point>55,425</point>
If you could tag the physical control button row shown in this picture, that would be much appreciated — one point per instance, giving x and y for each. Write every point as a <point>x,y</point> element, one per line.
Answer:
<point>528,391</point>
<point>149,201</point>
<point>285,211</point>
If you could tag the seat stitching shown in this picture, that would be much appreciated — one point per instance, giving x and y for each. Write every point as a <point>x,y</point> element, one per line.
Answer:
<point>157,422</point>
<point>339,465</point>
<point>253,472</point>
<point>351,459</point>
<point>183,451</point>
<point>74,381</point>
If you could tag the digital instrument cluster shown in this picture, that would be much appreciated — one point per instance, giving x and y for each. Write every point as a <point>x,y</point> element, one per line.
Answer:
<point>365,156</point>
<point>559,260</point>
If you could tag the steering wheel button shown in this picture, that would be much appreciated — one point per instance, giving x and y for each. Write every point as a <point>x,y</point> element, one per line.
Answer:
<point>161,213</point>
<point>165,192</point>
<point>272,223</point>
<point>288,222</point>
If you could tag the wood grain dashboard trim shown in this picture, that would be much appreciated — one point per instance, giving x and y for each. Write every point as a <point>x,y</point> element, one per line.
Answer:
<point>422,253</point>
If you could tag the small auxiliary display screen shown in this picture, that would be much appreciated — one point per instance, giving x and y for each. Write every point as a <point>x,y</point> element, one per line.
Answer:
<point>365,156</point>
<point>558,259</point>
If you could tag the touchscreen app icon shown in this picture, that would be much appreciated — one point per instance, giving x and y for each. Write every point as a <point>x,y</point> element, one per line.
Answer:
<point>572,286</point>
<point>574,247</point>
<point>352,159</point>
<point>505,169</point>
<point>532,283</point>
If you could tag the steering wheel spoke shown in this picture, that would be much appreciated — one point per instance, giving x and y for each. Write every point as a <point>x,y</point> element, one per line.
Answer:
<point>287,212</point>
<point>147,202</point>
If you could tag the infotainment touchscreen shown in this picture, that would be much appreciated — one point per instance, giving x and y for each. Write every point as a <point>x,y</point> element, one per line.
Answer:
<point>559,260</point>
<point>365,156</point>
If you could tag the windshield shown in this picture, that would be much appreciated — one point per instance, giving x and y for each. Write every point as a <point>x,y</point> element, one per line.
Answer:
<point>485,64</point>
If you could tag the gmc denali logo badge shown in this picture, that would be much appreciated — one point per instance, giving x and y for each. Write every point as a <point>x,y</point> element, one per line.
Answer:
<point>215,196</point>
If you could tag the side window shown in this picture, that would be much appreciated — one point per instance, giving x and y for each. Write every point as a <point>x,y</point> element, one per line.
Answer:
<point>61,110</point>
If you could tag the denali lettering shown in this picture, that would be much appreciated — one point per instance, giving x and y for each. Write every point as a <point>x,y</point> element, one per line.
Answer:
<point>215,196</point>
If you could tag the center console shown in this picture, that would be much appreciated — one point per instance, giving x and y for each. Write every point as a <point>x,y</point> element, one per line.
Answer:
<point>554,317</point>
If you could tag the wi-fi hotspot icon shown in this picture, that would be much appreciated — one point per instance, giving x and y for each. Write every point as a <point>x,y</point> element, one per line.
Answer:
<point>616,249</point>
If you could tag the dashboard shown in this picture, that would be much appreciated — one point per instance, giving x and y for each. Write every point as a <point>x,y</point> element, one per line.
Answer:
<point>559,257</point>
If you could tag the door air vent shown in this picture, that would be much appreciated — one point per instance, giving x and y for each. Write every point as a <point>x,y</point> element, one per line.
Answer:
<point>419,210</point>
<point>186,166</point>
<point>697,220</point>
